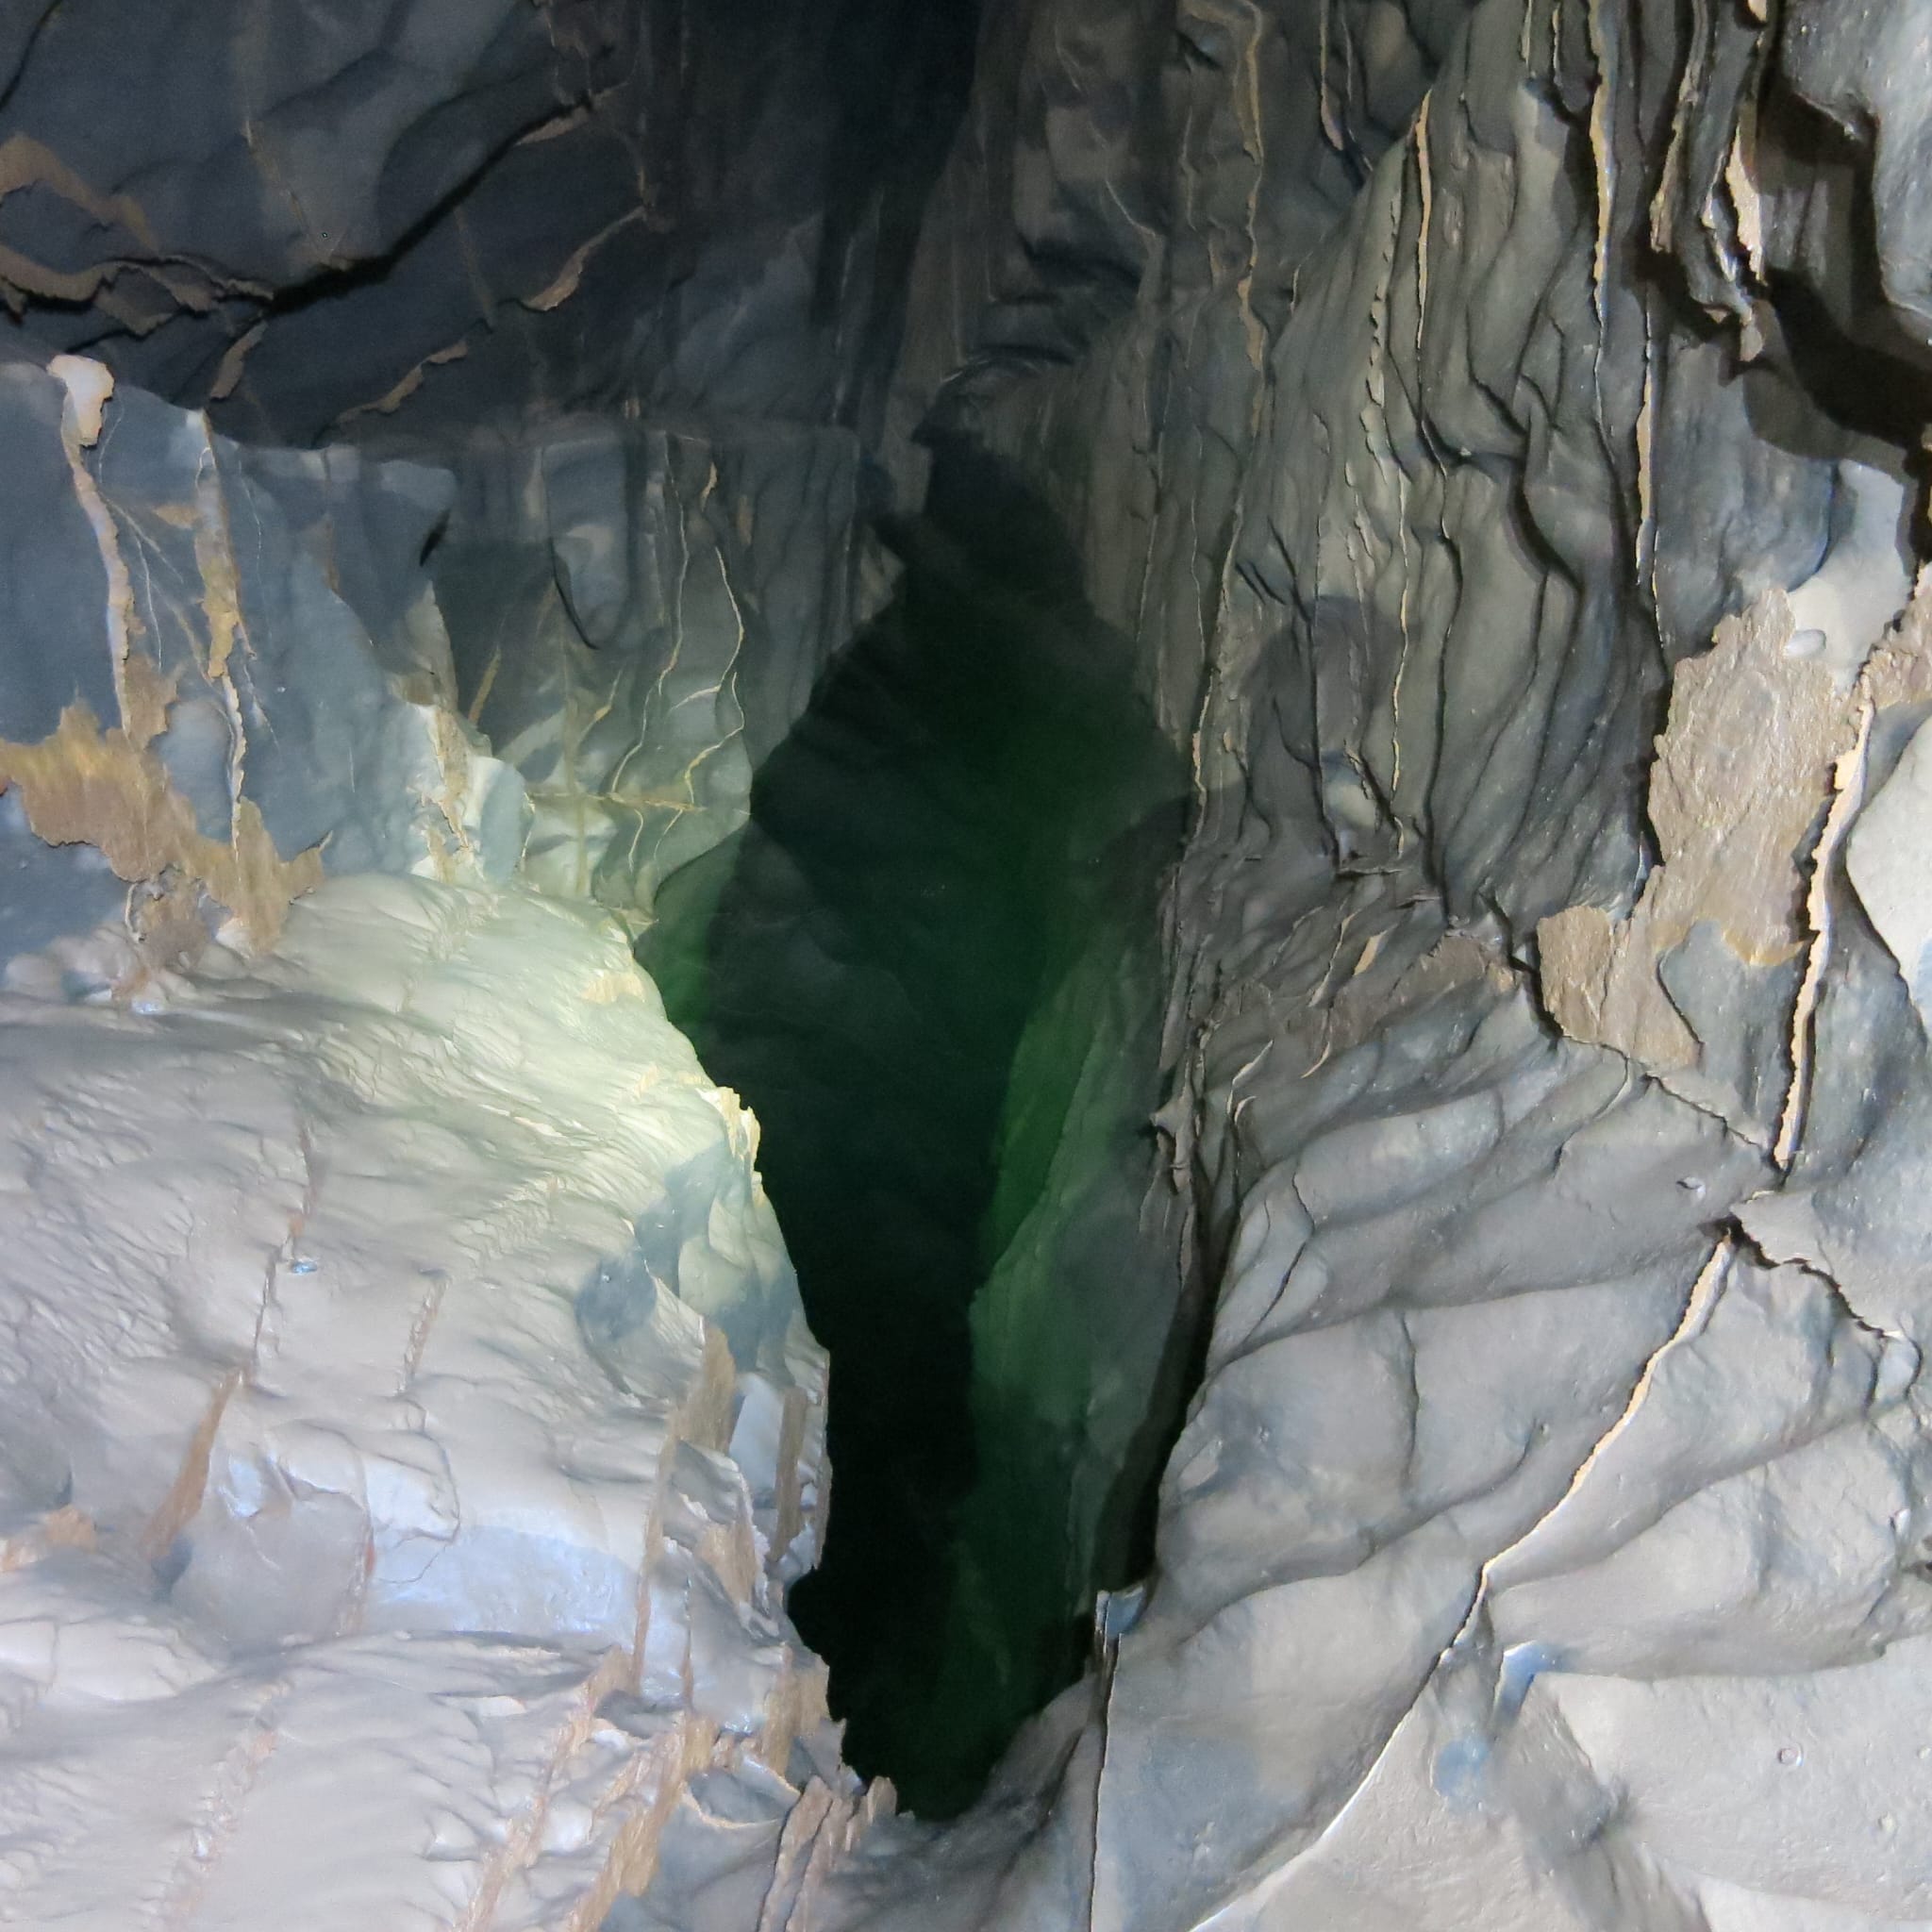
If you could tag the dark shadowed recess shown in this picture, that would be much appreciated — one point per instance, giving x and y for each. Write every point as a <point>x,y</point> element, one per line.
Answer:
<point>930,966</point>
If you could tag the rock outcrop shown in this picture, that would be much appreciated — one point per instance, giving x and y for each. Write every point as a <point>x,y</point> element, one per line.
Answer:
<point>408,1426</point>
<point>1555,1482</point>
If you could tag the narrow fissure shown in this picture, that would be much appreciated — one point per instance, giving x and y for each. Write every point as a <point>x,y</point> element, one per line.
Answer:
<point>926,965</point>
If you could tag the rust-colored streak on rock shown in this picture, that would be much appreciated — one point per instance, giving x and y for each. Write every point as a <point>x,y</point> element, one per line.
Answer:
<point>84,786</point>
<point>567,280</point>
<point>184,1496</point>
<point>730,1553</point>
<point>229,370</point>
<point>704,1420</point>
<point>26,163</point>
<point>524,1838</point>
<point>146,692</point>
<point>66,1528</point>
<point>221,583</point>
<point>664,1775</point>
<point>1743,769</point>
<point>799,1703</point>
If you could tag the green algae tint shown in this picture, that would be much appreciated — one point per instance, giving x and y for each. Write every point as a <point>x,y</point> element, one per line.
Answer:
<point>931,965</point>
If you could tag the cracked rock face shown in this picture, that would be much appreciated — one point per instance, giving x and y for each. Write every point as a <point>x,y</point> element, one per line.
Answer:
<point>446,443</point>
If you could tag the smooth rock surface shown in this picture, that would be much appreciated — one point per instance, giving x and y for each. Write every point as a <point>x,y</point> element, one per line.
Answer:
<point>404,1453</point>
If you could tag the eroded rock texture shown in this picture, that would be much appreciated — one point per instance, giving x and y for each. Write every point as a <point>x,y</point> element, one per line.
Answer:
<point>1553,1498</point>
<point>1480,445</point>
<point>632,274</point>
<point>446,1372</point>
<point>228,671</point>
<point>638,616</point>
<point>434,212</point>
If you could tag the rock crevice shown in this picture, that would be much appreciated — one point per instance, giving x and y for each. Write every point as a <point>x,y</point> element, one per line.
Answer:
<point>1258,671</point>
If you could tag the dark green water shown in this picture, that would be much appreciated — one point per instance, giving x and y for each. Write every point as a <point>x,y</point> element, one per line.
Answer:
<point>929,964</point>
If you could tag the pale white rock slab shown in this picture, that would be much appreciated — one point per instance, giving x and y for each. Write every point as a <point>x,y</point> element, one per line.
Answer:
<point>387,1540</point>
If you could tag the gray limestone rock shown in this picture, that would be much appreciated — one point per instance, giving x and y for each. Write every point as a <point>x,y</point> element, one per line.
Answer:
<point>226,674</point>
<point>1493,434</point>
<point>637,617</point>
<point>434,1453</point>
<point>380,219</point>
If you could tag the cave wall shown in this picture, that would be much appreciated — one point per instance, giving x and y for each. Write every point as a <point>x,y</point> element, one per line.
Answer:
<point>397,220</point>
<point>226,673</point>
<point>1496,433</point>
<point>638,615</point>
<point>1547,1530</point>
<point>632,275</point>
<point>411,1429</point>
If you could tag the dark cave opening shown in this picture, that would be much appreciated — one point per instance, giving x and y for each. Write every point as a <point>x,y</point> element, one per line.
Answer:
<point>926,965</point>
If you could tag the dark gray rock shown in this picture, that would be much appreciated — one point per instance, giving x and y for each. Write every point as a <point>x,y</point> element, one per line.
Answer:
<point>1490,435</point>
<point>400,220</point>
<point>188,690</point>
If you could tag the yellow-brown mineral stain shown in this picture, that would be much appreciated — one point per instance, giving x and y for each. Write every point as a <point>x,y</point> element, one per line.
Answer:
<point>105,788</point>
